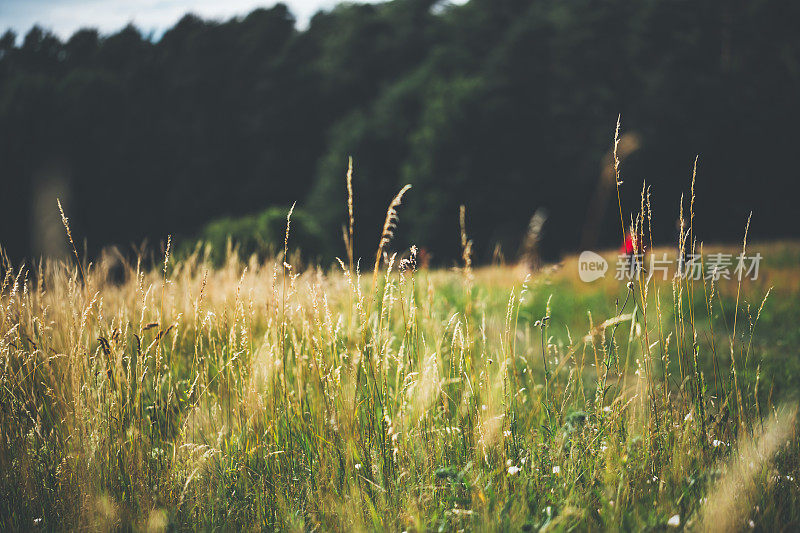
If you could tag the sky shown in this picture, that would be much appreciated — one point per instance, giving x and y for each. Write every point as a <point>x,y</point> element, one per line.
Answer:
<point>63,17</point>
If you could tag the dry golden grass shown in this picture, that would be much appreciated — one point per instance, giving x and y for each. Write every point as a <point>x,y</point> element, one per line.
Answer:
<point>262,395</point>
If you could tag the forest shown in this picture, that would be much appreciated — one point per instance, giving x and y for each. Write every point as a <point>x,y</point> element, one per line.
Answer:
<point>216,128</point>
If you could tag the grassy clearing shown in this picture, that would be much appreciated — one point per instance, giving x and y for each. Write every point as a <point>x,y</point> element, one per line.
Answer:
<point>262,395</point>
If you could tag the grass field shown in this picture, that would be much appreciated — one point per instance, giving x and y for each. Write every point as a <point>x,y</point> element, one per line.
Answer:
<point>275,396</point>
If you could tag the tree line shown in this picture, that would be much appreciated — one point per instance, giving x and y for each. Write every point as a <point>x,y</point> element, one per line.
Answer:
<point>504,106</point>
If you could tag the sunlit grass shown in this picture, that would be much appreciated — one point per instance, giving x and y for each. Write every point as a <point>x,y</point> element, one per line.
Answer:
<point>265,395</point>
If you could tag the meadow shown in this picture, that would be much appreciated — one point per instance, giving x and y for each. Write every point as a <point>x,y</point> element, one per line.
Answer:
<point>378,394</point>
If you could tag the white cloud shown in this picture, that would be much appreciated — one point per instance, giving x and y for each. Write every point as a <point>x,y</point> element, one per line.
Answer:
<point>63,17</point>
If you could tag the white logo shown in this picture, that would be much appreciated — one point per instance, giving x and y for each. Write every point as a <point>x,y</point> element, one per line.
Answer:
<point>591,266</point>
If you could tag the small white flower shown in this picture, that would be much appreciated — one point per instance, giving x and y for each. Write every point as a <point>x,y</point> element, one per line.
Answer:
<point>512,470</point>
<point>687,418</point>
<point>751,524</point>
<point>358,466</point>
<point>506,433</point>
<point>674,521</point>
<point>556,469</point>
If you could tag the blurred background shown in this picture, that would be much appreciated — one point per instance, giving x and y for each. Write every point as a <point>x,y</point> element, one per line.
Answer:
<point>206,119</point>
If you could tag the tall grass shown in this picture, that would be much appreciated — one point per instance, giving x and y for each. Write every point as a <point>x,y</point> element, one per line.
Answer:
<point>266,395</point>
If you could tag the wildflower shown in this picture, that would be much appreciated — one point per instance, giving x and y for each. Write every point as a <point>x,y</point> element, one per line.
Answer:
<point>556,470</point>
<point>358,466</point>
<point>674,521</point>
<point>512,470</point>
